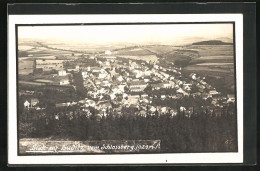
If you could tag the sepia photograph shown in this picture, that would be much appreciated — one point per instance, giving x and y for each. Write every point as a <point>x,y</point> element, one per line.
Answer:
<point>126,88</point>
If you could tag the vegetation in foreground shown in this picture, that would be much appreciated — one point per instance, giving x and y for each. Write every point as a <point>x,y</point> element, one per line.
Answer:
<point>201,132</point>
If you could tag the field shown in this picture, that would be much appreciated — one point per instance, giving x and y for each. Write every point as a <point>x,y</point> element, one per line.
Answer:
<point>143,57</point>
<point>212,50</point>
<point>206,68</point>
<point>25,67</point>
<point>214,61</point>
<point>161,49</point>
<point>134,52</point>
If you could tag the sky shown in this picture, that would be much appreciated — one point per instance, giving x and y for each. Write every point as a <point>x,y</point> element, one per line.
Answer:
<point>102,34</point>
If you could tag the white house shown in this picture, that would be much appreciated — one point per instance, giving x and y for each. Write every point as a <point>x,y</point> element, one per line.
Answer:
<point>194,77</point>
<point>108,52</point>
<point>26,104</point>
<point>34,102</point>
<point>62,73</point>
<point>102,75</point>
<point>64,82</point>
<point>182,109</point>
<point>213,92</point>
<point>231,98</point>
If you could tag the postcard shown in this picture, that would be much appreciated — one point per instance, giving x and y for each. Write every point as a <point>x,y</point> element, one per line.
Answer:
<point>125,89</point>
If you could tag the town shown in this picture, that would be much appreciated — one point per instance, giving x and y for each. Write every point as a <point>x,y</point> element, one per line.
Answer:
<point>107,84</point>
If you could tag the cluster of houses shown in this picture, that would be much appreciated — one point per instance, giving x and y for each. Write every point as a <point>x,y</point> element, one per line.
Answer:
<point>115,84</point>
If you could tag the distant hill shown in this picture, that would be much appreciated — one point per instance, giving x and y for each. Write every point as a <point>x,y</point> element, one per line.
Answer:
<point>212,42</point>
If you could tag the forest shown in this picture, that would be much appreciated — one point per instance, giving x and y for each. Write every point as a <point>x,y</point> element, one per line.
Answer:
<point>201,132</point>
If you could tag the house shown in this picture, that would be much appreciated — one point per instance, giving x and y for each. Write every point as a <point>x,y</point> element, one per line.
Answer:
<point>218,96</point>
<point>187,86</point>
<point>110,58</point>
<point>157,86</point>
<point>213,92</point>
<point>146,80</point>
<point>98,81</point>
<point>203,82</point>
<point>137,86</point>
<point>62,73</point>
<point>153,109</point>
<point>104,107</point>
<point>102,75</point>
<point>163,97</point>
<point>168,84</point>
<point>231,98</point>
<point>120,78</point>
<point>193,76</point>
<point>26,104</point>
<point>205,96</point>
<point>64,82</point>
<point>177,96</point>
<point>196,94</point>
<point>171,78</point>
<point>173,112</point>
<point>156,66</point>
<point>142,113</point>
<point>180,90</point>
<point>133,99</point>
<point>84,74</point>
<point>61,105</point>
<point>144,95</point>
<point>34,102</point>
<point>147,73</point>
<point>145,101</point>
<point>90,103</point>
<point>164,110</point>
<point>182,109</point>
<point>124,102</point>
<point>179,82</point>
<point>121,87</point>
<point>108,52</point>
<point>96,69</point>
<point>112,96</point>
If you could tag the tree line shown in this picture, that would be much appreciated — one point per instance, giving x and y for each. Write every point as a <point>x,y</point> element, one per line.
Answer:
<point>199,133</point>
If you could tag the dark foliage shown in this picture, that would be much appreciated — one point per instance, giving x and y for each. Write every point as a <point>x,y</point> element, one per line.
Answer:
<point>202,132</point>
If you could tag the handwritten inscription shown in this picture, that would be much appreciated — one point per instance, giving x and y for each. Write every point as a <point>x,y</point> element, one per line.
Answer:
<point>92,147</point>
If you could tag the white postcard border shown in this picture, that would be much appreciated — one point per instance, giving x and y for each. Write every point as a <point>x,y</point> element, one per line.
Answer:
<point>170,158</point>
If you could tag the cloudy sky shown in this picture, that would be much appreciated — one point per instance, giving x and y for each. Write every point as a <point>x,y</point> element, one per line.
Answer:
<point>96,34</point>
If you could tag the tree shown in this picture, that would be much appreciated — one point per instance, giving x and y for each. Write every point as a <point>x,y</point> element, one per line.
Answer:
<point>80,89</point>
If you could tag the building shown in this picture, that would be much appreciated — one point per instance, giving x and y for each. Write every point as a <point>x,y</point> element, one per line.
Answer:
<point>231,98</point>
<point>132,99</point>
<point>213,92</point>
<point>62,73</point>
<point>48,65</point>
<point>137,86</point>
<point>64,82</point>
<point>61,105</point>
<point>169,84</point>
<point>108,52</point>
<point>84,74</point>
<point>34,102</point>
<point>102,75</point>
<point>157,86</point>
<point>26,104</point>
<point>96,69</point>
